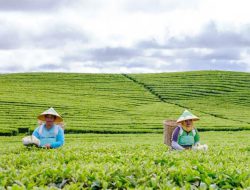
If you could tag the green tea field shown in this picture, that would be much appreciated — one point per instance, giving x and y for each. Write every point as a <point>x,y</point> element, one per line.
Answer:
<point>127,161</point>
<point>114,131</point>
<point>121,103</point>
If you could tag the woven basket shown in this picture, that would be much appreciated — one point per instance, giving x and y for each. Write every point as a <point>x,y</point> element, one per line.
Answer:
<point>169,126</point>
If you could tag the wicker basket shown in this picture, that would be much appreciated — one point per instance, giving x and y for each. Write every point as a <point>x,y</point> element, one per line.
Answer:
<point>169,126</point>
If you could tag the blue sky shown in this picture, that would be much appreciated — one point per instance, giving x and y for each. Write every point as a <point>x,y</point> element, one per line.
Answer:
<point>124,36</point>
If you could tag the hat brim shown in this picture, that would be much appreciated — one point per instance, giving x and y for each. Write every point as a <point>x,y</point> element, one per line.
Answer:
<point>57,120</point>
<point>184,119</point>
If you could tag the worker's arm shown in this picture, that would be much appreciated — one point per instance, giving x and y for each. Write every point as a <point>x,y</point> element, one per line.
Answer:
<point>174,143</point>
<point>196,137</point>
<point>176,146</point>
<point>36,133</point>
<point>59,139</point>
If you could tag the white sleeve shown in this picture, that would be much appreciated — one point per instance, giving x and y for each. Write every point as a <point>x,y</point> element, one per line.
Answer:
<point>176,146</point>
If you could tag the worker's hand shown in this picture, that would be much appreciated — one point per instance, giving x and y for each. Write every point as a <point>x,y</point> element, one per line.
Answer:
<point>197,144</point>
<point>47,146</point>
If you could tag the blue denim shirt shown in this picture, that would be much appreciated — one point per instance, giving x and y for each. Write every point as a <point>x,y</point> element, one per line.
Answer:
<point>53,136</point>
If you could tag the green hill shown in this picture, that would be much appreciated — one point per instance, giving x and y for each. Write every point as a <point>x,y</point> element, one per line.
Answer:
<point>119,103</point>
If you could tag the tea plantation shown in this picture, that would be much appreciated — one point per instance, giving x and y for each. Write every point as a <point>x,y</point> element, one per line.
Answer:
<point>128,111</point>
<point>121,103</point>
<point>127,161</point>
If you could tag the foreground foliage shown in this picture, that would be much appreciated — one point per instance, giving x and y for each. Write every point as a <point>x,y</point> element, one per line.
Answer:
<point>125,162</point>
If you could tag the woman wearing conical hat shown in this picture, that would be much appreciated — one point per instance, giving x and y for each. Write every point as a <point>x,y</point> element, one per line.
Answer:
<point>48,134</point>
<point>185,136</point>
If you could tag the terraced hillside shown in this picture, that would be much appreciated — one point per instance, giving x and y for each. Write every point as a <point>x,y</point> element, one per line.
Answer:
<point>89,103</point>
<point>113,103</point>
<point>222,99</point>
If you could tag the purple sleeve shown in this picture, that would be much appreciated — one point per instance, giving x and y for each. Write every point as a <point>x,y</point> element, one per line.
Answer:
<point>175,134</point>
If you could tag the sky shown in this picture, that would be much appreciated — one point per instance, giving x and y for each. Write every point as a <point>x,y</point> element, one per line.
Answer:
<point>124,36</point>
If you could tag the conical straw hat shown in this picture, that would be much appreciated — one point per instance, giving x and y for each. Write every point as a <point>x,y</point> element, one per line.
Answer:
<point>187,115</point>
<point>50,111</point>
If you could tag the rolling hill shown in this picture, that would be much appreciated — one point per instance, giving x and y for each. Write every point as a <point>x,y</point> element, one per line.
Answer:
<point>122,103</point>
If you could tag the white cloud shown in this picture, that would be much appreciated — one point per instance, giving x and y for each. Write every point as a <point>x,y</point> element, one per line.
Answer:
<point>123,35</point>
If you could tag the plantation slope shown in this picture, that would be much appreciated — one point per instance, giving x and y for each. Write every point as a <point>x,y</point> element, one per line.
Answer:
<point>221,99</point>
<point>100,103</point>
<point>114,103</point>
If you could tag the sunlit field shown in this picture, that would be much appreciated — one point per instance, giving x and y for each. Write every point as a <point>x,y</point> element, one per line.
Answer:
<point>124,161</point>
